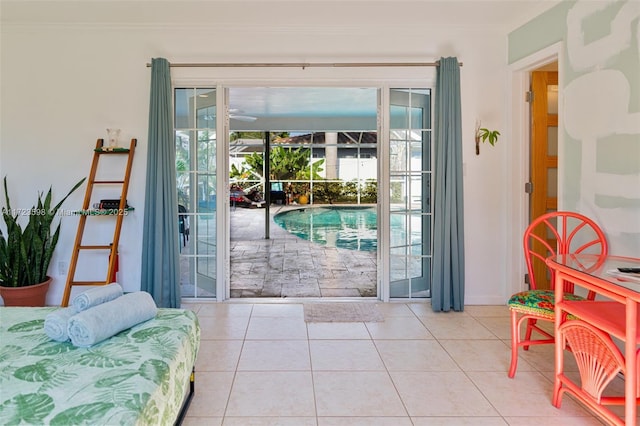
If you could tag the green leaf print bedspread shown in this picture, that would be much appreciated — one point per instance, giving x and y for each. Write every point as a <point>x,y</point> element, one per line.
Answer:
<point>137,377</point>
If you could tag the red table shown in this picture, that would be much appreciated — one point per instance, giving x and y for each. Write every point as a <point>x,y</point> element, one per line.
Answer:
<point>615,312</point>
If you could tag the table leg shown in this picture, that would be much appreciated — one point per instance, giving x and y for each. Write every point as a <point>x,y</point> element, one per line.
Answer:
<point>631,376</point>
<point>559,347</point>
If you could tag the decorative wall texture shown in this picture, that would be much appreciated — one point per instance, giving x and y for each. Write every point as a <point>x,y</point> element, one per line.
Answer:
<point>600,160</point>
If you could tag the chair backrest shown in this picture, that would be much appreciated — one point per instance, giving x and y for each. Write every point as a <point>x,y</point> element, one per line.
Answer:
<point>181,217</point>
<point>559,233</point>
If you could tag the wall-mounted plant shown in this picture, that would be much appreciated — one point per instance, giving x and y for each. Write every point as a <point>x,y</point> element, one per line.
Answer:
<point>485,135</point>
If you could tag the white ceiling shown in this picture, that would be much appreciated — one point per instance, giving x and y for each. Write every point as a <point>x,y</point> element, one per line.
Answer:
<point>502,15</point>
<point>303,101</point>
<point>302,108</point>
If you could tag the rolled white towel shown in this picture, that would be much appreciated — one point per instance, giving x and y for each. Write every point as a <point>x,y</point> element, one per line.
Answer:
<point>94,325</point>
<point>56,322</point>
<point>96,296</point>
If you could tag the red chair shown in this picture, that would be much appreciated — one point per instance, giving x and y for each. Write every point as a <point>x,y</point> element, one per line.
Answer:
<point>548,235</point>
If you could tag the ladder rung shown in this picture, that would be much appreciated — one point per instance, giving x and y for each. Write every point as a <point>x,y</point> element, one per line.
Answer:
<point>108,181</point>
<point>88,283</point>
<point>108,247</point>
<point>106,150</point>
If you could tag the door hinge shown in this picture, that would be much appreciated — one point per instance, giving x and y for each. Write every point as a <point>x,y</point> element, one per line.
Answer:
<point>528,96</point>
<point>526,280</point>
<point>528,187</point>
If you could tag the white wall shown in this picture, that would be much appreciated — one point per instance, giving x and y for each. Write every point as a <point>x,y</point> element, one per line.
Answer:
<point>63,83</point>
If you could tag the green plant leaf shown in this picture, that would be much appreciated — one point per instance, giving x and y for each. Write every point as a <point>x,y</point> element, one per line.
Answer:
<point>101,360</point>
<point>155,370</point>
<point>26,326</point>
<point>30,408</point>
<point>151,414</point>
<point>115,379</point>
<point>39,372</point>
<point>10,352</point>
<point>25,254</point>
<point>138,401</point>
<point>148,333</point>
<point>487,135</point>
<point>85,414</point>
<point>52,348</point>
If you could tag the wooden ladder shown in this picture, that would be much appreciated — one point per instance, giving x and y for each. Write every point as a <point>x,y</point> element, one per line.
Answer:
<point>88,212</point>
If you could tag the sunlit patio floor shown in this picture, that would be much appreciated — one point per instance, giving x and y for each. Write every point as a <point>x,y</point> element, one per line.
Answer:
<point>288,266</point>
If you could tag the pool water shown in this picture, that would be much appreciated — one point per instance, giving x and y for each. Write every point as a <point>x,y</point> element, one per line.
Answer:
<point>353,228</point>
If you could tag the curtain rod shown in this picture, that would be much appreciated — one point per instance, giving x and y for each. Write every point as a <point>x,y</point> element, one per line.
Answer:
<point>302,65</point>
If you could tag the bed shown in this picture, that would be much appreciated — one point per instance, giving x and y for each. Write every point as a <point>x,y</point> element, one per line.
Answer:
<point>143,375</point>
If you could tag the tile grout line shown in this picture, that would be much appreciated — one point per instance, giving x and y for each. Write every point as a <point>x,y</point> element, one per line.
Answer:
<point>235,371</point>
<point>386,369</point>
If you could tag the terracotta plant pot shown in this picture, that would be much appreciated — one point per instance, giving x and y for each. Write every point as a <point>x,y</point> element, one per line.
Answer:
<point>32,295</point>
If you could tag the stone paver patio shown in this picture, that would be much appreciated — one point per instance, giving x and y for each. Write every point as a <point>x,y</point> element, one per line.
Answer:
<point>288,266</point>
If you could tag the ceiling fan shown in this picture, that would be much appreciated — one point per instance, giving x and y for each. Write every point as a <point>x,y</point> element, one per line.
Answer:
<point>237,114</point>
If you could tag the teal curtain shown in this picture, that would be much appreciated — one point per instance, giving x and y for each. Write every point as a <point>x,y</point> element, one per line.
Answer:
<point>160,263</point>
<point>447,291</point>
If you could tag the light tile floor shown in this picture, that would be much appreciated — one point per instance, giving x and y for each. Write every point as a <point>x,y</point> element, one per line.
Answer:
<point>261,364</point>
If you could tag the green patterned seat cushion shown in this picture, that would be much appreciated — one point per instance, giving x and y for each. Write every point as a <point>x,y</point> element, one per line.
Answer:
<point>539,302</point>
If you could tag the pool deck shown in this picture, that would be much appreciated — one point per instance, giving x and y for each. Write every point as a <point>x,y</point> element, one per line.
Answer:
<point>287,266</point>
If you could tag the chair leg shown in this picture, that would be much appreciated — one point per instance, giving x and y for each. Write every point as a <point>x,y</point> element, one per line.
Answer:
<point>527,336</point>
<point>515,339</point>
<point>556,399</point>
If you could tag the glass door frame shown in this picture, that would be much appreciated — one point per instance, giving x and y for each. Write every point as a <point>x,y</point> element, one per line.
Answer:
<point>223,290</point>
<point>194,103</point>
<point>421,100</point>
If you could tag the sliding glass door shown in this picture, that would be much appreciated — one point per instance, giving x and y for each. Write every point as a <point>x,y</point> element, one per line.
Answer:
<point>335,131</point>
<point>196,174</point>
<point>410,187</point>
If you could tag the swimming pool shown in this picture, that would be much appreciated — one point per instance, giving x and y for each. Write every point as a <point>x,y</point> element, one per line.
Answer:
<point>352,227</point>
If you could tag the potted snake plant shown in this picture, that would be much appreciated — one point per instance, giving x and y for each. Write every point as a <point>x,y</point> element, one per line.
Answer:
<point>25,253</point>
